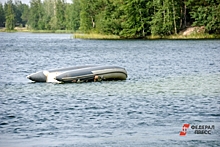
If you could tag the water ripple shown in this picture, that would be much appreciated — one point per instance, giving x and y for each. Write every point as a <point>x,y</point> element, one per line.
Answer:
<point>169,83</point>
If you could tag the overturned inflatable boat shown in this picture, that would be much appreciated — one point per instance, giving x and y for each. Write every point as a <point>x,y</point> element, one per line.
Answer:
<point>75,74</point>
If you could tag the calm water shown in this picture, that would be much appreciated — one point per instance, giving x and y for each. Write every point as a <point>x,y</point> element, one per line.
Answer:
<point>169,83</point>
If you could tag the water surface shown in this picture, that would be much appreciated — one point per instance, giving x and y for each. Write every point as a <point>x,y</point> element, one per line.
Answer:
<point>170,82</point>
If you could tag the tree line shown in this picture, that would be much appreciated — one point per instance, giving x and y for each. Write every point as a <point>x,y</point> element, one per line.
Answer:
<point>126,18</point>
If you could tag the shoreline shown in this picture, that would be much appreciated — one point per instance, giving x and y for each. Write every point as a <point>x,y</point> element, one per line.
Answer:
<point>170,37</point>
<point>95,36</point>
<point>25,30</point>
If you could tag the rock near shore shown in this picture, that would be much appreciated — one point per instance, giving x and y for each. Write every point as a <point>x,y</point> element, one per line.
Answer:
<point>193,30</point>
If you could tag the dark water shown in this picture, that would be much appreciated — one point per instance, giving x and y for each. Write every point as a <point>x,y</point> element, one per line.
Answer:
<point>169,83</point>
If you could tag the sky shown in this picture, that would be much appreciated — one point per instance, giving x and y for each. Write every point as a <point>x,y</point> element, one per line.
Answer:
<point>27,1</point>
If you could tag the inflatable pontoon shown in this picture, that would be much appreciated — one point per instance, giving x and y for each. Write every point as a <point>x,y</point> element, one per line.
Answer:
<point>75,74</point>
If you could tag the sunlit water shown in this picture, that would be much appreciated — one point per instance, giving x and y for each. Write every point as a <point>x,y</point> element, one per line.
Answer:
<point>169,83</point>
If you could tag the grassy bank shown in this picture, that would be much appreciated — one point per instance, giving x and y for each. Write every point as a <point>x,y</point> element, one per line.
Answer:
<point>95,36</point>
<point>52,31</point>
<point>171,37</point>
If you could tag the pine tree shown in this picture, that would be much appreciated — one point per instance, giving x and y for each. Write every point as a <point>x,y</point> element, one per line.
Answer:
<point>21,9</point>
<point>2,15</point>
<point>9,15</point>
<point>49,14</point>
<point>60,14</point>
<point>72,15</point>
<point>36,15</point>
<point>25,14</point>
<point>135,18</point>
<point>107,20</point>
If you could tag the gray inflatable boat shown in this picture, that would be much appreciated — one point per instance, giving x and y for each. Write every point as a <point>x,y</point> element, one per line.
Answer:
<point>87,73</point>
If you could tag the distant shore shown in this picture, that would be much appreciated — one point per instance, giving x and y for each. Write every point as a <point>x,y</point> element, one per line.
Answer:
<point>23,29</point>
<point>115,37</point>
<point>170,37</point>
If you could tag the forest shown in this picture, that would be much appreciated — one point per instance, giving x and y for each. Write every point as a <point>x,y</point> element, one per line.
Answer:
<point>125,18</point>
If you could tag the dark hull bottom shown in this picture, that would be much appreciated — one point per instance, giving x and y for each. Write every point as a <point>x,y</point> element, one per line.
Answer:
<point>80,74</point>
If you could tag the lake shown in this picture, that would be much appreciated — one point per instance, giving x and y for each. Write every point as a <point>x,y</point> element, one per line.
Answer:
<point>170,83</point>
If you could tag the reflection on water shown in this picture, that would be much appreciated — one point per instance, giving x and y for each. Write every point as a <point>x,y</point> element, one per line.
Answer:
<point>169,83</point>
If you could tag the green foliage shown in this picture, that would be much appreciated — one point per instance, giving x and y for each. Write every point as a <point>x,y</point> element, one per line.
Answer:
<point>18,12</point>
<point>60,14</point>
<point>25,14</point>
<point>72,20</point>
<point>134,19</point>
<point>164,18</point>
<point>2,15</point>
<point>124,18</point>
<point>48,11</point>
<point>9,15</point>
<point>89,9</point>
<point>35,14</point>
<point>108,20</point>
<point>207,14</point>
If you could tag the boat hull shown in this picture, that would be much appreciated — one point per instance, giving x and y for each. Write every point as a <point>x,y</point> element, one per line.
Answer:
<point>80,74</point>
